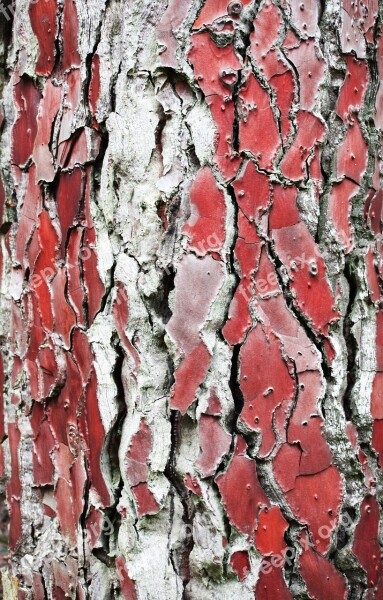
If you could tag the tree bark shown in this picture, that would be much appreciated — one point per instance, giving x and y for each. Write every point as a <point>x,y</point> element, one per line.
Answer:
<point>191,299</point>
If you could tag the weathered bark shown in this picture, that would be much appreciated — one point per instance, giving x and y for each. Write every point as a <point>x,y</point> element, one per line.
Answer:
<point>191,307</point>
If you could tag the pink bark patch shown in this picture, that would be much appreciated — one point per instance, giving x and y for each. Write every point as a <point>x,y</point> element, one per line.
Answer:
<point>305,16</point>
<point>167,29</point>
<point>120,311</point>
<point>205,227</point>
<point>204,277</point>
<point>379,95</point>
<point>311,70</point>
<point>214,444</point>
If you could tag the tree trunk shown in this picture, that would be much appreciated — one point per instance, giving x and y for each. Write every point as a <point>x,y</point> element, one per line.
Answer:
<point>191,306</point>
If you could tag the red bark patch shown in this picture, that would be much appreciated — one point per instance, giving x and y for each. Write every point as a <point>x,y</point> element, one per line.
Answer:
<point>366,545</point>
<point>95,84</point>
<point>216,71</point>
<point>191,483</point>
<point>252,191</point>
<point>353,90</point>
<point>32,204</point>
<point>214,405</point>
<point>45,269</point>
<point>301,256</point>
<point>44,25</point>
<point>76,294</point>
<point>92,281</point>
<point>146,502</point>
<point>68,199</point>
<point>94,435</point>
<point>322,579</point>
<point>340,211</point>
<point>70,30</point>
<point>127,587</point>
<point>264,390</point>
<point>136,460</point>
<point>49,106</point>
<point>377,440</point>
<point>27,99</point>
<point>258,131</point>
<point>269,536</point>
<point>315,501</point>
<point>374,210</point>
<point>271,62</point>
<point>241,492</point>
<point>240,564</point>
<point>310,133</point>
<point>271,584</point>
<point>216,9</point>
<point>14,488</point>
<point>188,377</point>
<point>64,316</point>
<point>286,466</point>
<point>353,154</point>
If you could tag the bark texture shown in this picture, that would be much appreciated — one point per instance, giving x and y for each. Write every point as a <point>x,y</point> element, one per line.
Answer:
<point>191,301</point>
